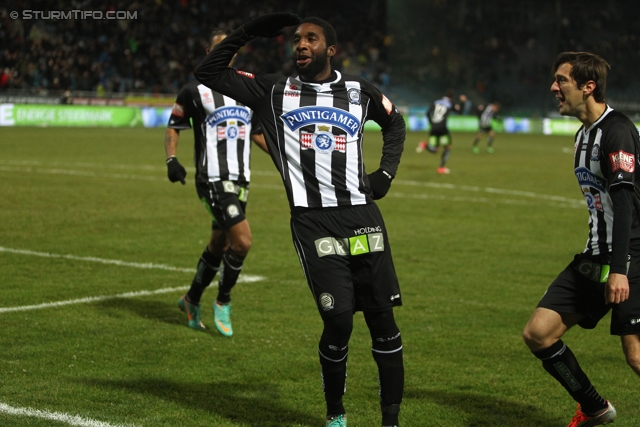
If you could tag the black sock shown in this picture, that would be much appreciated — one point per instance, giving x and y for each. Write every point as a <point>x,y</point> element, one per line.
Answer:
<point>333,350</point>
<point>475,142</point>
<point>489,141</point>
<point>391,377</point>
<point>208,266</point>
<point>445,157</point>
<point>232,265</point>
<point>559,361</point>
<point>334,373</point>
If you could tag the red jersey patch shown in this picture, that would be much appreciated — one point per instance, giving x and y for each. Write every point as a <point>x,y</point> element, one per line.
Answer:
<point>387,104</point>
<point>177,110</point>
<point>622,160</point>
<point>244,73</point>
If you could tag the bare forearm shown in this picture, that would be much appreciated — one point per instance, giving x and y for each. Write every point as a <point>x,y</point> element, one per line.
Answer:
<point>171,142</point>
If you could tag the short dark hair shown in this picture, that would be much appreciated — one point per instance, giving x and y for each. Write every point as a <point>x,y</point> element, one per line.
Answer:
<point>329,32</point>
<point>586,66</point>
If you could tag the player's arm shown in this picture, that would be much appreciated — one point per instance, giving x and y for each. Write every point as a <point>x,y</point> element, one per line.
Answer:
<point>617,289</point>
<point>244,87</point>
<point>619,164</point>
<point>258,138</point>
<point>393,128</point>
<point>180,119</point>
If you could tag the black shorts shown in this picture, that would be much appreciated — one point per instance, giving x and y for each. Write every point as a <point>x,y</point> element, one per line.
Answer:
<point>573,293</point>
<point>485,129</point>
<point>346,259</point>
<point>226,201</point>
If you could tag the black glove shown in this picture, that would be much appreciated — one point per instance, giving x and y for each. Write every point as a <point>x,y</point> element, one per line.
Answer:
<point>380,182</point>
<point>175,171</point>
<point>270,25</point>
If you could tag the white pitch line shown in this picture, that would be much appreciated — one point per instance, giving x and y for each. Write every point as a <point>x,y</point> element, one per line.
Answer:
<point>73,420</point>
<point>245,278</point>
<point>37,167</point>
<point>91,299</point>
<point>98,260</point>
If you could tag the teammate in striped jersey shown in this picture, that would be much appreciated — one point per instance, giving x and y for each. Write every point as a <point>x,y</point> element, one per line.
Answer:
<point>439,134</point>
<point>606,275</point>
<point>313,125</point>
<point>222,130</point>
<point>487,114</point>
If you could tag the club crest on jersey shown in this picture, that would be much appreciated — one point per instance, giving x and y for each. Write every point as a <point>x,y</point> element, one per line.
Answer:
<point>323,141</point>
<point>594,202</point>
<point>354,96</point>
<point>304,116</point>
<point>595,153</point>
<point>223,114</point>
<point>586,178</point>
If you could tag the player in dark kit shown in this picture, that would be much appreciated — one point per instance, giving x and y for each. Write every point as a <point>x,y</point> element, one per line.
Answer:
<point>606,275</point>
<point>487,114</point>
<point>439,134</point>
<point>313,125</point>
<point>222,130</point>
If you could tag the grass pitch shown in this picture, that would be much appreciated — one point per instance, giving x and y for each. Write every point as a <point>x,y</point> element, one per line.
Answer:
<point>89,213</point>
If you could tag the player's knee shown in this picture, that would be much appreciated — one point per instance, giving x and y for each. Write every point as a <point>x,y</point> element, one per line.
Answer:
<point>385,335</point>
<point>533,338</point>
<point>241,245</point>
<point>335,336</point>
<point>633,360</point>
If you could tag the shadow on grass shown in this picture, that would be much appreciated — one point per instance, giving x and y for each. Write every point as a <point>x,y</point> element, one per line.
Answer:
<point>485,410</point>
<point>162,311</point>
<point>252,403</point>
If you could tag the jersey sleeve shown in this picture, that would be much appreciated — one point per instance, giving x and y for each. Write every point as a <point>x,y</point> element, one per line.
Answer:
<point>620,154</point>
<point>393,128</point>
<point>181,112</point>
<point>214,72</point>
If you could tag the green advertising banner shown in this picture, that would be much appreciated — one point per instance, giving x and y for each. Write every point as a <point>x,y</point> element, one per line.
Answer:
<point>69,115</point>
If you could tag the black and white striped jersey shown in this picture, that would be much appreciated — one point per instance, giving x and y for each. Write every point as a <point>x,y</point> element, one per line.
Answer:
<point>487,116</point>
<point>438,114</point>
<point>314,131</point>
<point>606,156</point>
<point>221,129</point>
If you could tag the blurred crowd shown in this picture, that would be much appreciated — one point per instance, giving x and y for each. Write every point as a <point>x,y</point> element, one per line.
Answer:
<point>157,50</point>
<point>504,49</point>
<point>498,49</point>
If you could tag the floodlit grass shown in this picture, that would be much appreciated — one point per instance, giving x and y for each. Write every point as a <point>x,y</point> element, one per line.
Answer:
<point>474,251</point>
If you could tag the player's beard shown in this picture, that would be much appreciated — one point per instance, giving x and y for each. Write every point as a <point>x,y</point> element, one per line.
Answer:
<point>315,66</point>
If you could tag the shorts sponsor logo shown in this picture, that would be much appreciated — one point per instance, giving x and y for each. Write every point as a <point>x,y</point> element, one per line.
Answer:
<point>326,301</point>
<point>364,230</point>
<point>622,161</point>
<point>395,297</point>
<point>331,246</point>
<point>233,211</point>
<point>229,187</point>
<point>635,321</point>
<point>356,245</point>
